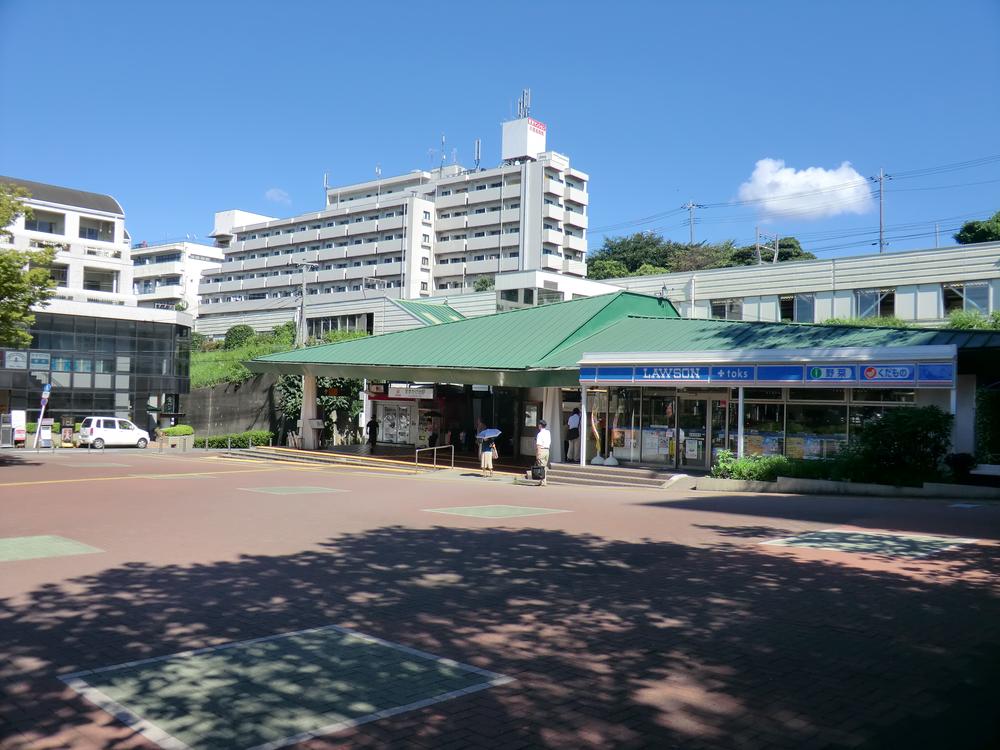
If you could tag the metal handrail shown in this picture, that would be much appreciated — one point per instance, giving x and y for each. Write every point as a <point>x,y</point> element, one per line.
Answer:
<point>435,448</point>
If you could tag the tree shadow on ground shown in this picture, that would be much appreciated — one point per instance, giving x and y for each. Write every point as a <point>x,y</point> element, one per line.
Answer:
<point>923,516</point>
<point>13,459</point>
<point>611,643</point>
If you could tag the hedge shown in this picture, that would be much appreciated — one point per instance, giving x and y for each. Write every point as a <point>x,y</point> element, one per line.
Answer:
<point>235,440</point>
<point>178,430</point>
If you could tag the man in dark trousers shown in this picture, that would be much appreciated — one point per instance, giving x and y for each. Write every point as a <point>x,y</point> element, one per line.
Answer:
<point>372,429</point>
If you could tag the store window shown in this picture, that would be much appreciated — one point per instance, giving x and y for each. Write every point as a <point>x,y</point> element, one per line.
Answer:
<point>727,309</point>
<point>971,297</point>
<point>884,395</point>
<point>805,308</point>
<point>763,429</point>
<point>874,303</point>
<point>815,430</point>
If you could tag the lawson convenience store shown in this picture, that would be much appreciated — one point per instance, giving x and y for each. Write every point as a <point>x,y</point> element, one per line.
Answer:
<point>657,389</point>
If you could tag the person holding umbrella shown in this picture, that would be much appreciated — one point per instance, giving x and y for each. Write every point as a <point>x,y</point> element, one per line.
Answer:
<point>487,449</point>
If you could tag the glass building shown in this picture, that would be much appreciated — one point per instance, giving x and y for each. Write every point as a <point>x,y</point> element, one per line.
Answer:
<point>126,368</point>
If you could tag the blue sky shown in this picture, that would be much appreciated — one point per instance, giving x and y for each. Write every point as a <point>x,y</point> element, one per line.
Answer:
<point>184,108</point>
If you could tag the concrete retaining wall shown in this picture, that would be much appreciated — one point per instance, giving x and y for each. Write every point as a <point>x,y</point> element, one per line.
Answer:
<point>790,485</point>
<point>232,407</point>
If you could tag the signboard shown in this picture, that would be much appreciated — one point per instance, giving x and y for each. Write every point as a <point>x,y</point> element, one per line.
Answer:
<point>818,374</point>
<point>45,432</point>
<point>396,391</point>
<point>672,374</point>
<point>831,373</point>
<point>15,360</point>
<point>19,421</point>
<point>888,373</point>
<point>376,388</point>
<point>39,360</point>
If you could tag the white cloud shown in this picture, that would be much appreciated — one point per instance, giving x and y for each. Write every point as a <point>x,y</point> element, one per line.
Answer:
<point>277,195</point>
<point>811,193</point>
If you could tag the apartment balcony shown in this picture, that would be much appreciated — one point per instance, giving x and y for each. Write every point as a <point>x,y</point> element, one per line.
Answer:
<point>360,227</point>
<point>331,253</point>
<point>554,187</point>
<point>574,267</point>
<point>483,220</point>
<point>552,212</point>
<point>106,253</point>
<point>485,243</point>
<point>450,201</point>
<point>152,270</point>
<point>551,263</point>
<point>576,219</point>
<point>576,195</point>
<point>485,266</point>
<point>552,236</point>
<point>490,194</point>
<point>254,264</point>
<point>452,222</point>
<point>230,286</point>
<point>332,233</point>
<point>393,222</point>
<point>579,244</point>
<point>160,290</point>
<point>271,282</point>
<point>451,246</point>
<point>510,239</point>
<point>258,244</point>
<point>360,251</point>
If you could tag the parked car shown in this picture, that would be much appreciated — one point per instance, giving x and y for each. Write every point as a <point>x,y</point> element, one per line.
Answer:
<point>111,431</point>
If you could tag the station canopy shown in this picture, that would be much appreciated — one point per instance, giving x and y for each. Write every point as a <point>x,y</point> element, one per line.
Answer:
<point>553,345</point>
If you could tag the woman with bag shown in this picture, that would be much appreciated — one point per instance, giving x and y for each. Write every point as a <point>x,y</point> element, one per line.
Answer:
<point>573,436</point>
<point>487,452</point>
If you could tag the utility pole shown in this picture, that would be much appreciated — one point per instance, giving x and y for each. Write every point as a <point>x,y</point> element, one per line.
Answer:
<point>756,244</point>
<point>880,179</point>
<point>775,259</point>
<point>690,206</point>
<point>937,235</point>
<point>303,333</point>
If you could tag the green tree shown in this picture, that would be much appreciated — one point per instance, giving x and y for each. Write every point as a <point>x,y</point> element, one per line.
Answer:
<point>979,231</point>
<point>789,248</point>
<point>25,276</point>
<point>604,268</point>
<point>340,410</point>
<point>483,284</point>
<point>648,269</point>
<point>239,335</point>
<point>284,333</point>
<point>701,256</point>
<point>633,251</point>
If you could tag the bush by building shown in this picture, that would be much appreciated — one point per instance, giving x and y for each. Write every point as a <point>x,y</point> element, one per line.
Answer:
<point>178,430</point>
<point>235,440</point>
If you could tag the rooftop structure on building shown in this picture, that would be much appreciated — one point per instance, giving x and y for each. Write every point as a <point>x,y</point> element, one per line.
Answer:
<point>419,235</point>
<point>101,352</point>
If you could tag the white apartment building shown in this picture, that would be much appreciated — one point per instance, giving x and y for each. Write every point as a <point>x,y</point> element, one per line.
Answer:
<point>921,286</point>
<point>166,275</point>
<point>411,236</point>
<point>99,351</point>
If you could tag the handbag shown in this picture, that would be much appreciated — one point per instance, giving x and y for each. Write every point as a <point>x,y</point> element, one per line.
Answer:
<point>573,433</point>
<point>493,450</point>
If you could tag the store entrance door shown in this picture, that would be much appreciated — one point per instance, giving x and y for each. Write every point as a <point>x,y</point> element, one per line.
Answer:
<point>693,432</point>
<point>396,420</point>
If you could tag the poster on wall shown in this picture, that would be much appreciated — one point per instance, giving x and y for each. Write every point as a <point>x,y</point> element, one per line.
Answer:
<point>691,447</point>
<point>795,447</point>
<point>15,360</point>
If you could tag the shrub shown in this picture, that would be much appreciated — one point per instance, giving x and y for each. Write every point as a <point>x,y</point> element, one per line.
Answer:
<point>961,465</point>
<point>178,430</point>
<point>238,335</point>
<point>235,440</point>
<point>750,468</point>
<point>905,447</point>
<point>988,425</point>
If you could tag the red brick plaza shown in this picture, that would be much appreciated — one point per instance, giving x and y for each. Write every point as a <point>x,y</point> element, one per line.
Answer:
<point>597,619</point>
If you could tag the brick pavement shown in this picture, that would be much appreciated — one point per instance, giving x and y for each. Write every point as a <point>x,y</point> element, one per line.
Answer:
<point>637,620</point>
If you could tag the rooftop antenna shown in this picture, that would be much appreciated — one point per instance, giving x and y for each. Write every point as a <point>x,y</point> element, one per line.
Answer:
<point>326,181</point>
<point>478,150</point>
<point>524,104</point>
<point>444,153</point>
<point>454,156</point>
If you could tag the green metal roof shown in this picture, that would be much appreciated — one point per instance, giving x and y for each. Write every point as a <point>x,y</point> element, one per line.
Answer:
<point>500,343</point>
<point>429,313</point>
<point>543,345</point>
<point>637,334</point>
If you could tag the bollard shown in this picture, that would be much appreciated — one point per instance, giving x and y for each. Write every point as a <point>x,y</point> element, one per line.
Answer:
<point>250,441</point>
<point>229,445</point>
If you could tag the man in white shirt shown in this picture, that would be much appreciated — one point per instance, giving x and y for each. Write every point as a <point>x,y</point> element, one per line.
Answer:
<point>573,436</point>
<point>543,441</point>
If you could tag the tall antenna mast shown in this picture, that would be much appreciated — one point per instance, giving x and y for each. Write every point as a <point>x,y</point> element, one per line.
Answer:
<point>444,154</point>
<point>524,104</point>
<point>478,152</point>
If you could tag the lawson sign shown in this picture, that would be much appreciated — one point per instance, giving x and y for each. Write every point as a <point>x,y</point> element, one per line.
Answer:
<point>819,374</point>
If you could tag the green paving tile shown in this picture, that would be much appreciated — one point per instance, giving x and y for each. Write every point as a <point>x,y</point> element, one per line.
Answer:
<point>495,511</point>
<point>33,547</point>
<point>291,490</point>
<point>273,691</point>
<point>891,545</point>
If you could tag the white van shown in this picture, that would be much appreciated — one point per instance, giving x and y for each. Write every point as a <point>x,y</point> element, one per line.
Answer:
<point>101,431</point>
